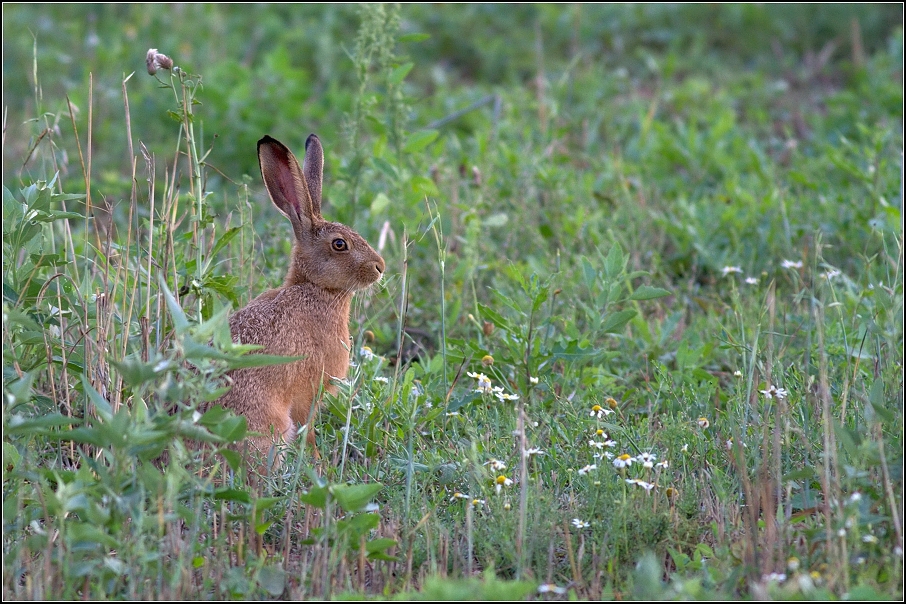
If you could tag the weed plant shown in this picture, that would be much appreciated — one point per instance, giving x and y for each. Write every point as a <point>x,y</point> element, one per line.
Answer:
<point>641,334</point>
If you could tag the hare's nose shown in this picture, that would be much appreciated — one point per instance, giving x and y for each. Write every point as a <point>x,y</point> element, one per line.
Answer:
<point>379,265</point>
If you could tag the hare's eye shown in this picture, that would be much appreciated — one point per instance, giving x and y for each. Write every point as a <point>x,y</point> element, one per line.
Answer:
<point>339,245</point>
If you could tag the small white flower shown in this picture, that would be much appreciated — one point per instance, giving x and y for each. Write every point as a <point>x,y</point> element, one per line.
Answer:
<point>737,373</point>
<point>623,461</point>
<point>605,455</point>
<point>596,444</point>
<point>533,451</point>
<point>545,588</point>
<point>841,532</point>
<point>778,577</point>
<point>496,465</point>
<point>869,539</point>
<point>661,464</point>
<point>484,382</point>
<point>855,497</point>
<point>533,380</point>
<point>727,270</point>
<point>500,482</point>
<point>599,411</point>
<point>646,459</point>
<point>831,274</point>
<point>587,469</point>
<point>366,353</point>
<point>645,485</point>
<point>752,280</point>
<point>381,379</point>
<point>459,495</point>
<point>685,448</point>
<point>503,396</point>
<point>580,524</point>
<point>775,392</point>
<point>791,264</point>
<point>453,414</point>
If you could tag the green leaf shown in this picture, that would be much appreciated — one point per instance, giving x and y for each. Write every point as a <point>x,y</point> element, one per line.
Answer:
<point>414,37</point>
<point>458,403</point>
<point>424,185</point>
<point>417,141</point>
<point>223,240</point>
<point>613,264</point>
<point>498,219</point>
<point>228,494</point>
<point>19,424</point>
<point>399,73</point>
<point>316,497</point>
<point>354,497</point>
<point>11,456</point>
<point>616,321</point>
<point>647,292</point>
<point>101,405</point>
<point>573,352</point>
<point>233,458</point>
<point>272,579</point>
<point>377,548</point>
<point>381,202</point>
<point>180,321</point>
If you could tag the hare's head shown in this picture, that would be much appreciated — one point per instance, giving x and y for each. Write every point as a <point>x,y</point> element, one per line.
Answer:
<point>327,254</point>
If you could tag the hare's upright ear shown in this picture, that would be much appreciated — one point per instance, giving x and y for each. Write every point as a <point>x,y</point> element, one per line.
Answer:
<point>285,183</point>
<point>314,171</point>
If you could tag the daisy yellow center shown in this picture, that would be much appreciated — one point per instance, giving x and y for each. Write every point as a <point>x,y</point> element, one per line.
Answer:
<point>596,408</point>
<point>610,402</point>
<point>624,456</point>
<point>501,479</point>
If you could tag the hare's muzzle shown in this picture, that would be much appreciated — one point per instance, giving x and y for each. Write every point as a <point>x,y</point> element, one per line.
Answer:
<point>379,268</point>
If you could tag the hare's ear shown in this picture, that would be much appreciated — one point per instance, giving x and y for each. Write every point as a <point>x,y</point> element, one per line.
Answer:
<point>285,182</point>
<point>314,171</point>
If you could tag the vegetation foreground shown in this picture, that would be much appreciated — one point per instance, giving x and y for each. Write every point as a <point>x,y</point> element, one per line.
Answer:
<point>639,336</point>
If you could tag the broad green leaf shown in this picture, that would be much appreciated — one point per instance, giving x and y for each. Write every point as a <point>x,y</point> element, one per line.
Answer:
<point>354,497</point>
<point>613,264</point>
<point>228,494</point>
<point>647,292</point>
<point>316,497</point>
<point>101,405</point>
<point>460,402</point>
<point>19,424</point>
<point>414,37</point>
<point>381,202</point>
<point>399,73</point>
<point>496,220</point>
<point>420,139</point>
<point>272,578</point>
<point>616,321</point>
<point>180,321</point>
<point>424,185</point>
<point>377,548</point>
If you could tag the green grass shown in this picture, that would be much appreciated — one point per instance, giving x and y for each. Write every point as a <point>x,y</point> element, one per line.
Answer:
<point>635,221</point>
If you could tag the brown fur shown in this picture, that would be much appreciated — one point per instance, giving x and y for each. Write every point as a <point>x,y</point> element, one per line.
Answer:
<point>309,314</point>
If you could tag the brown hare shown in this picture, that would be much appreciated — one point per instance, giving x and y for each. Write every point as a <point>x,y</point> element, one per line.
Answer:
<point>306,316</point>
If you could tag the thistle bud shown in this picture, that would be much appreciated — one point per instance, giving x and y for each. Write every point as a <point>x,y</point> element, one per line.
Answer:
<point>156,60</point>
<point>487,328</point>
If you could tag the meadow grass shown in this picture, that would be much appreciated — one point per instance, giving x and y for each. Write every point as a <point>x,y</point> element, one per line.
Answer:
<point>640,336</point>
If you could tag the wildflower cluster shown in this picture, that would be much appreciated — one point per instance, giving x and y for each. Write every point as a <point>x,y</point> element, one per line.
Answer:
<point>486,387</point>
